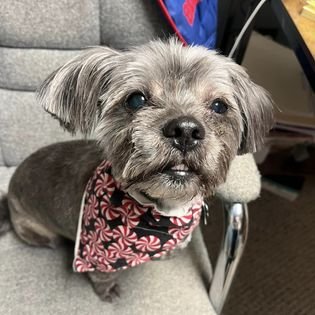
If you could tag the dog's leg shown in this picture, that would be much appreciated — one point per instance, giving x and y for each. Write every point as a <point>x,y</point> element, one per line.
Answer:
<point>105,285</point>
<point>29,230</point>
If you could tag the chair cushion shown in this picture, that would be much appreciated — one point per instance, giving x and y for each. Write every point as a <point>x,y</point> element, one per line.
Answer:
<point>68,24</point>
<point>26,69</point>
<point>139,21</point>
<point>1,155</point>
<point>5,175</point>
<point>40,281</point>
<point>25,126</point>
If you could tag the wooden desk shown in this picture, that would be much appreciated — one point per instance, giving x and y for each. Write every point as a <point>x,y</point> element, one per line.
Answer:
<point>300,32</point>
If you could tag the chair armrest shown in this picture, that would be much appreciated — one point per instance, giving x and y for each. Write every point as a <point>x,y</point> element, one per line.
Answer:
<point>243,181</point>
<point>242,185</point>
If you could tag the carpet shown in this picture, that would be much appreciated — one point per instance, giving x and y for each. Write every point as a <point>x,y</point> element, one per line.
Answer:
<point>277,272</point>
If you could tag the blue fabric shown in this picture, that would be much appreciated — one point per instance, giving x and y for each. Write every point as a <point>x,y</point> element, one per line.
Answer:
<point>195,20</point>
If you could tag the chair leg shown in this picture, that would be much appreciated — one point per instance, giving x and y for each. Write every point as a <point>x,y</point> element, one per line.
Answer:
<point>235,236</point>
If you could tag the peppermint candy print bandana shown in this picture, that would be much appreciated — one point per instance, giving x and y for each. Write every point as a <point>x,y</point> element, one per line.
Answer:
<point>116,232</point>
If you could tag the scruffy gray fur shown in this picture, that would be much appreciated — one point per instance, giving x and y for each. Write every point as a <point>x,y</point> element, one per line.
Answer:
<point>89,93</point>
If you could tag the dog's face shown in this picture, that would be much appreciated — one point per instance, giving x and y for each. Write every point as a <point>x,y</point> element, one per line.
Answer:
<point>169,118</point>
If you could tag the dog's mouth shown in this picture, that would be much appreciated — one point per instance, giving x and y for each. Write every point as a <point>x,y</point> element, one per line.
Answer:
<point>180,171</point>
<point>176,180</point>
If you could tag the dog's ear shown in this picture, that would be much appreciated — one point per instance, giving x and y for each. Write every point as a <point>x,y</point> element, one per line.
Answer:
<point>256,108</point>
<point>71,93</point>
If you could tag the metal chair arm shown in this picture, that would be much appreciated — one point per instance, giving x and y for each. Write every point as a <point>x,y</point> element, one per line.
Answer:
<point>234,240</point>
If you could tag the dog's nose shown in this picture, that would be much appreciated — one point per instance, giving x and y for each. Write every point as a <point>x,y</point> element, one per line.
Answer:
<point>185,132</point>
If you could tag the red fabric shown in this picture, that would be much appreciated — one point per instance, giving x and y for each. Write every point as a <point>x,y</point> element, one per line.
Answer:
<point>189,10</point>
<point>116,232</point>
<point>172,23</point>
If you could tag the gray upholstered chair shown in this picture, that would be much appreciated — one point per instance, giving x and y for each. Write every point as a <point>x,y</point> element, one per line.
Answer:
<point>35,38</point>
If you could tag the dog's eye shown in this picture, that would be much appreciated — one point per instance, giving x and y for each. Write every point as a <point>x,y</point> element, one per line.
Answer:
<point>135,101</point>
<point>218,106</point>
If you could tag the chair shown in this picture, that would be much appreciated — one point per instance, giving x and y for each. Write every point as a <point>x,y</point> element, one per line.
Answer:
<point>35,38</point>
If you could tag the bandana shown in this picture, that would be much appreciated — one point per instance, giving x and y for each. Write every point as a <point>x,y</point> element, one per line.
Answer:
<point>116,232</point>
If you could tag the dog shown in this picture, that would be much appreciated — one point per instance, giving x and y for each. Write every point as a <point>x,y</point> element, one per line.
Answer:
<point>168,118</point>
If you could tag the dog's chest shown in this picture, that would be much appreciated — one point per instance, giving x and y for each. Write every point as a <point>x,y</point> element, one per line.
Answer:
<point>116,232</point>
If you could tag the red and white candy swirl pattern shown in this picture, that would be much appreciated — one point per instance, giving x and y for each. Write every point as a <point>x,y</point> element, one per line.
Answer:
<point>81,265</point>
<point>104,184</point>
<point>169,245</point>
<point>84,237</point>
<point>133,207</point>
<point>124,234</point>
<point>149,243</point>
<point>105,165</point>
<point>108,211</point>
<point>119,250</point>
<point>89,254</point>
<point>178,233</point>
<point>196,213</point>
<point>137,259</point>
<point>103,230</point>
<point>92,206</point>
<point>130,218</point>
<point>90,209</point>
<point>106,257</point>
<point>94,242</point>
<point>180,221</point>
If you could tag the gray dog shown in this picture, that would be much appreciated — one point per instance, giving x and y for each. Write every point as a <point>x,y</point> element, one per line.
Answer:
<point>169,118</point>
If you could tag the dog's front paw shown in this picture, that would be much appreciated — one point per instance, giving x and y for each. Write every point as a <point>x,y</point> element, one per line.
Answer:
<point>105,285</point>
<point>107,292</point>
